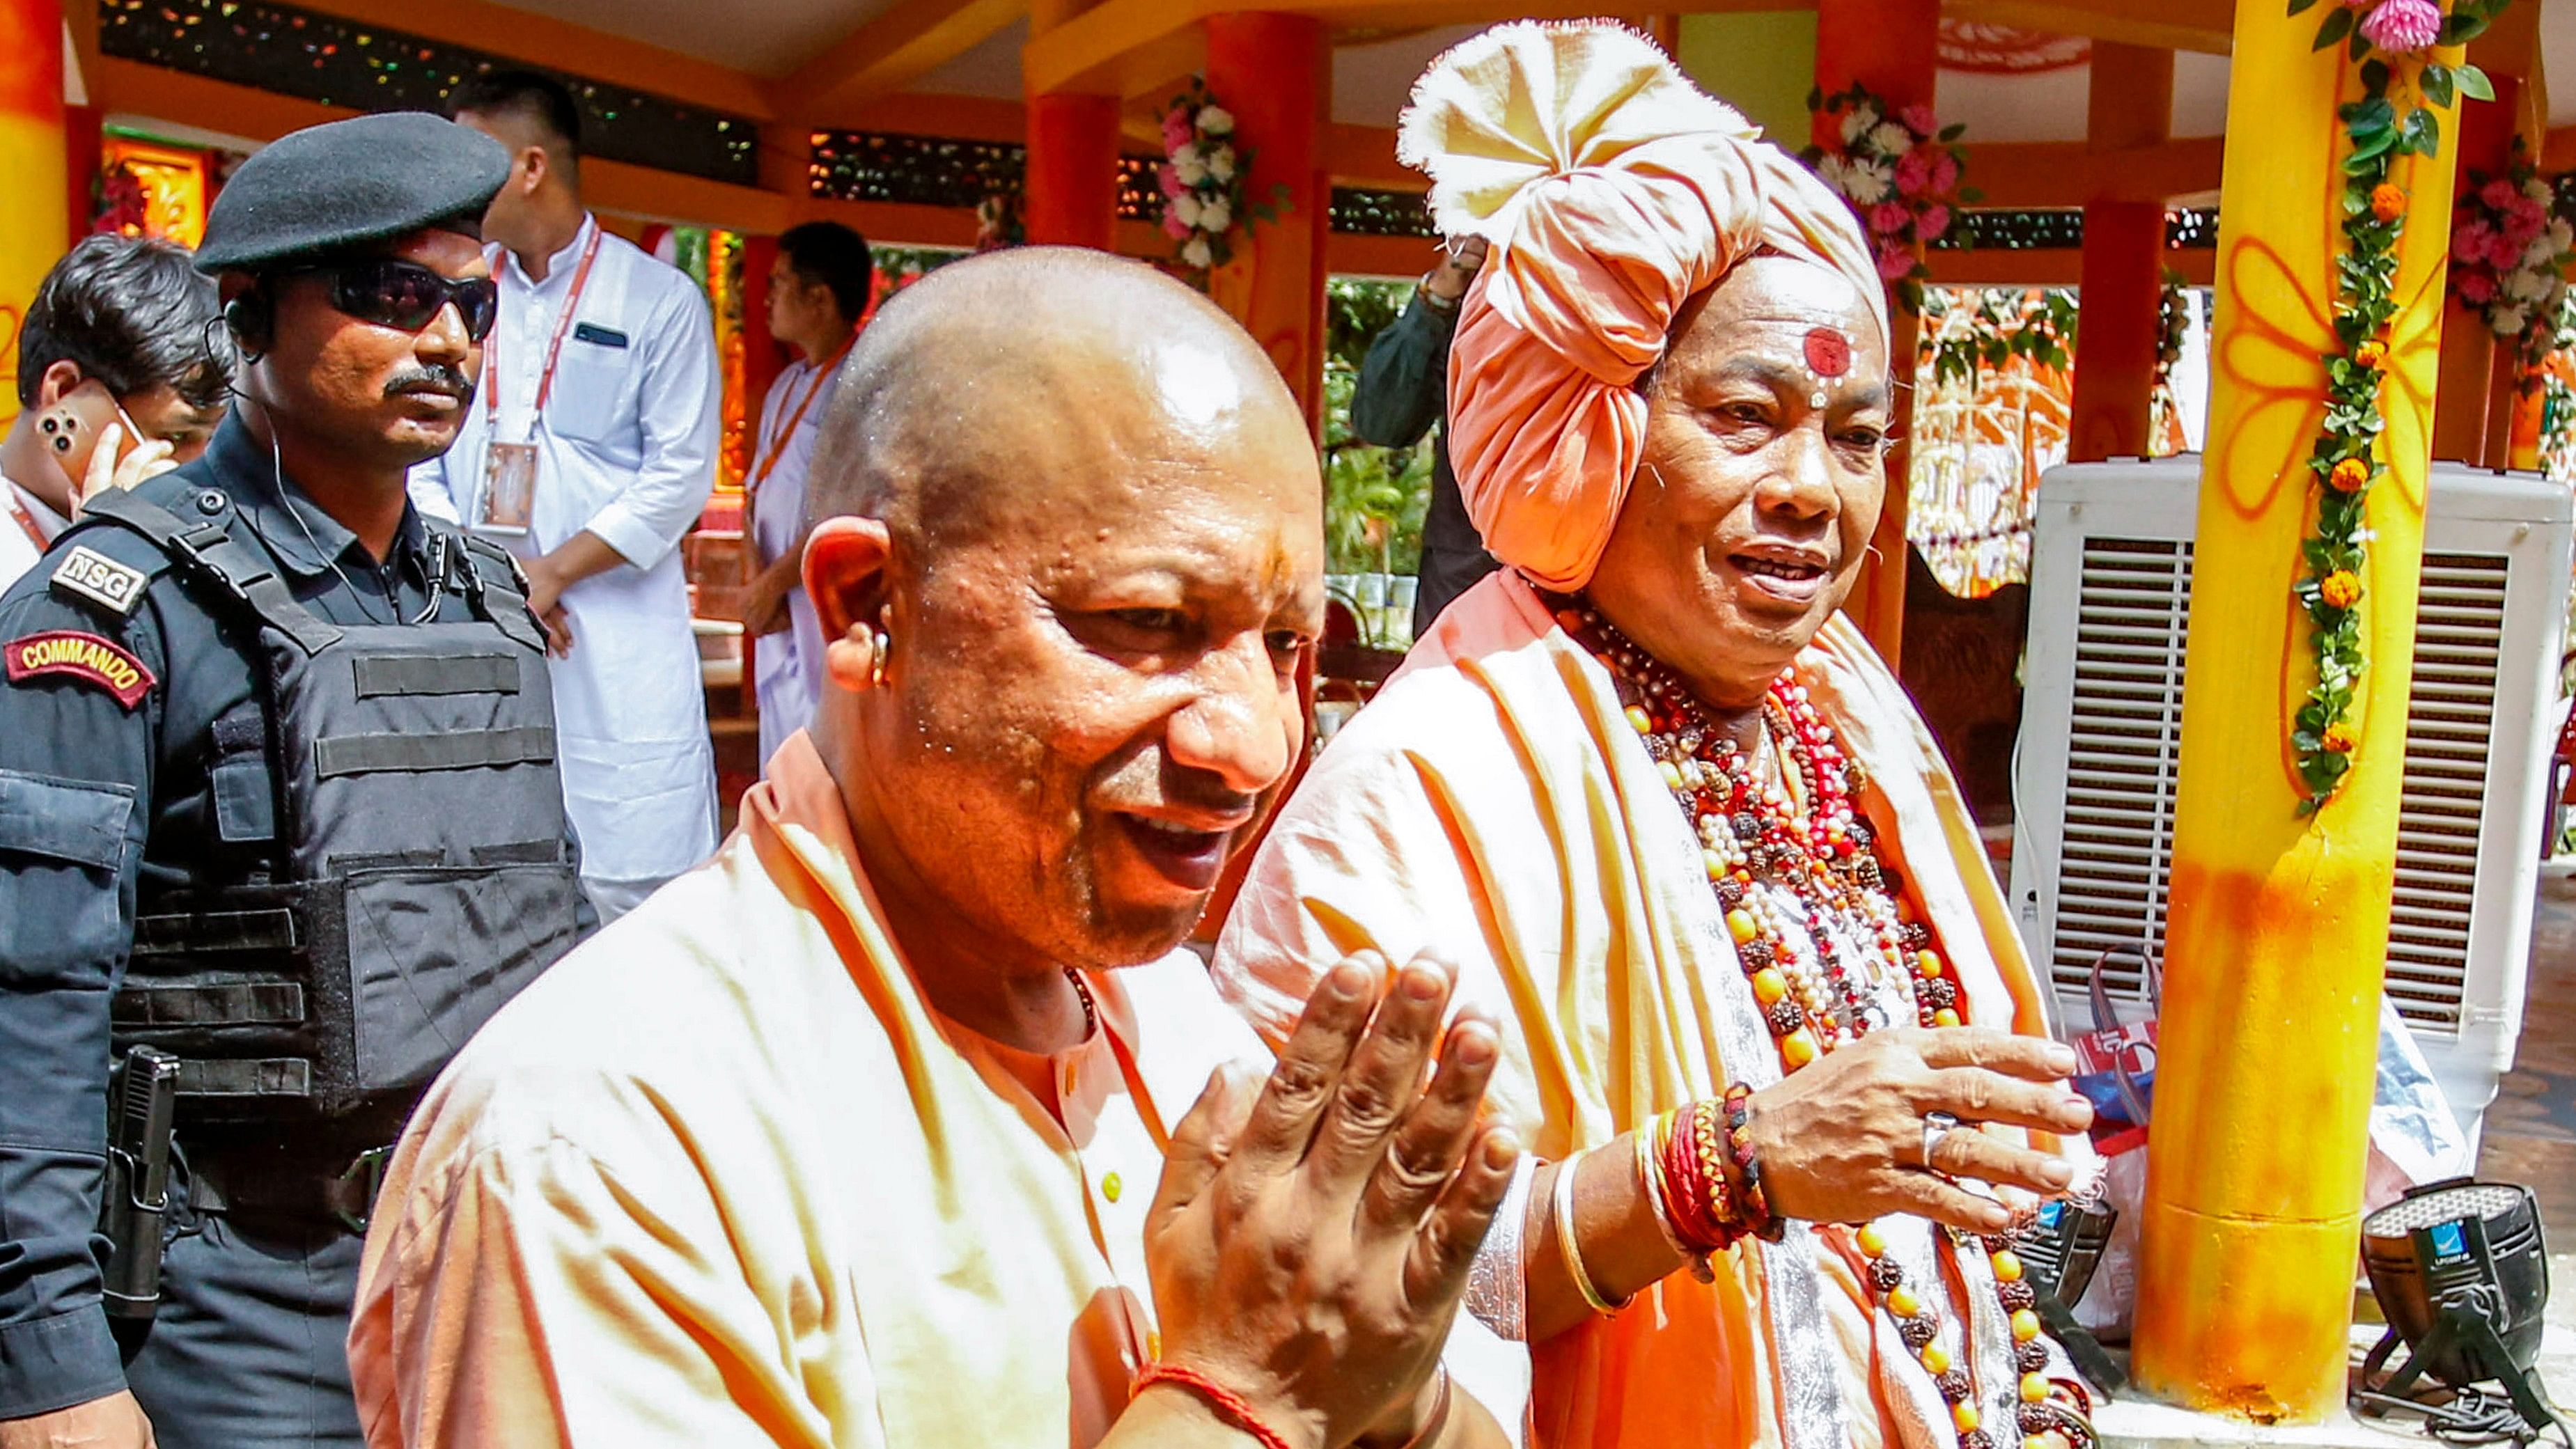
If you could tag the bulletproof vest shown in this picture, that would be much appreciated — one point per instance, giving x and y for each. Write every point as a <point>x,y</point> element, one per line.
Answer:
<point>401,779</point>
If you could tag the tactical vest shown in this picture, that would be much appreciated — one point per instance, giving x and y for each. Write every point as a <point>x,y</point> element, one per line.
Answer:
<point>400,781</point>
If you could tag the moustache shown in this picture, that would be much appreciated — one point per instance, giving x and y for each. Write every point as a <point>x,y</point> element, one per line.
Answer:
<point>449,380</point>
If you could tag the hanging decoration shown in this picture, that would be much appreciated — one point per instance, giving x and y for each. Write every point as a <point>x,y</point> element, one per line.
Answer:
<point>2397,115</point>
<point>1900,170</point>
<point>2509,255</point>
<point>998,222</point>
<point>2165,433</point>
<point>1204,180</point>
<point>1995,390</point>
<point>2173,324</point>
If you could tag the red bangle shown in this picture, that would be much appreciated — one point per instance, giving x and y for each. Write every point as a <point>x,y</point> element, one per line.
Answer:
<point>1228,1404</point>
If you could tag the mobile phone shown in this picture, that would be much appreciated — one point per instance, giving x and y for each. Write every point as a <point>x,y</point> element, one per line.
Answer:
<point>85,412</point>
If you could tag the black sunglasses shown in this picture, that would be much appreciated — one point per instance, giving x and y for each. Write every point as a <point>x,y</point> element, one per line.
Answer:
<point>409,296</point>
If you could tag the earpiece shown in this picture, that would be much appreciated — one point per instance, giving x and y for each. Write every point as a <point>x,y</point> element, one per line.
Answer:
<point>246,317</point>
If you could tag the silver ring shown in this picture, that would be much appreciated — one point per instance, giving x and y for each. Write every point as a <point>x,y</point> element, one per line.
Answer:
<point>1936,1125</point>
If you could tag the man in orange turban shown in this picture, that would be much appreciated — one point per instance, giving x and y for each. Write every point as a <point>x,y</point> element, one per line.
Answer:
<point>1677,825</point>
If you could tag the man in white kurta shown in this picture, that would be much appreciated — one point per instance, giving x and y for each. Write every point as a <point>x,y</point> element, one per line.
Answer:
<point>818,289</point>
<point>787,668</point>
<point>624,461</point>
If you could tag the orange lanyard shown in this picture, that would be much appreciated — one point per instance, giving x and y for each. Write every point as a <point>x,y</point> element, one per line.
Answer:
<point>27,521</point>
<point>776,447</point>
<point>554,349</point>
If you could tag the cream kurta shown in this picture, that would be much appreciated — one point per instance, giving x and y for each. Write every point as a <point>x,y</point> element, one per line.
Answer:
<point>1492,807</point>
<point>721,1178</point>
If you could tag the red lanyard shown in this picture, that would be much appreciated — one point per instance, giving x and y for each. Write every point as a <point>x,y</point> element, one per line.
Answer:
<point>27,521</point>
<point>776,447</point>
<point>554,349</point>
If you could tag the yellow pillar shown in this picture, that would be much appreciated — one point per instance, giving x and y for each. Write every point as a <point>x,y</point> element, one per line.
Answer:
<point>2279,923</point>
<point>36,220</point>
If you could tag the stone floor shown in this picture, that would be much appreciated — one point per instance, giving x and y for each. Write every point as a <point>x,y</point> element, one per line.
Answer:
<point>2530,1138</point>
<point>2531,1128</point>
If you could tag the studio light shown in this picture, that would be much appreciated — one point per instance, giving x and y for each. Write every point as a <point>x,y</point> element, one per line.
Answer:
<point>2461,1276</point>
<point>2059,1251</point>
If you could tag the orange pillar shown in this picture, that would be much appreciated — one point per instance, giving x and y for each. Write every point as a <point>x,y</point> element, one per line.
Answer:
<point>1889,46</point>
<point>1072,194</point>
<point>2473,401</point>
<point>1271,71</point>
<point>32,161</point>
<point>2119,324</point>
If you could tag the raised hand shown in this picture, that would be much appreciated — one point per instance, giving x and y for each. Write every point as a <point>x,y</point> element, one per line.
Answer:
<point>114,1422</point>
<point>1842,1140</point>
<point>1312,1233</point>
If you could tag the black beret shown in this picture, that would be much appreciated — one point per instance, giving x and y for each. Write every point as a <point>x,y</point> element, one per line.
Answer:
<point>330,187</point>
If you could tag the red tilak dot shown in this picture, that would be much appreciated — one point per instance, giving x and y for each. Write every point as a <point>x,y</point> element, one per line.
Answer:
<point>1828,352</point>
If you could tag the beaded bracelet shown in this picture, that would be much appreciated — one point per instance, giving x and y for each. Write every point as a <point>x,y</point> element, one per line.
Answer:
<point>1703,1206</point>
<point>1229,1405</point>
<point>1759,1220</point>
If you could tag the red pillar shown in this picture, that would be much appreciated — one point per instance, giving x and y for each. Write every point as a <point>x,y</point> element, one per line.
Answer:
<point>2119,325</point>
<point>2472,398</point>
<point>2118,329</point>
<point>1270,71</point>
<point>1072,195</point>
<point>84,153</point>
<point>1889,46</point>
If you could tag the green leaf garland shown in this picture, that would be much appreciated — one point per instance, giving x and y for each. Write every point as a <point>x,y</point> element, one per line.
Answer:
<point>2345,462</point>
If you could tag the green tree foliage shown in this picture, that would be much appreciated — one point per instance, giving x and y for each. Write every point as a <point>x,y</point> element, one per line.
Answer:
<point>1374,498</point>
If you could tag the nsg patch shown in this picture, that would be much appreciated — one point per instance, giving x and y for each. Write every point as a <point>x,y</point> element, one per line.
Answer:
<point>67,653</point>
<point>94,576</point>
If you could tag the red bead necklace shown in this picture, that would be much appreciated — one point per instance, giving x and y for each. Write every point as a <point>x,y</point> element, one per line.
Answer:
<point>1814,846</point>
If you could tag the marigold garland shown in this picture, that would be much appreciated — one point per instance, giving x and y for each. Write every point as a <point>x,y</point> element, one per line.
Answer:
<point>2346,458</point>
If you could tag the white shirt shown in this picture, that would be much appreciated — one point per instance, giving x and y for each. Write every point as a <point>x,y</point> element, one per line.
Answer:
<point>625,450</point>
<point>788,665</point>
<point>18,552</point>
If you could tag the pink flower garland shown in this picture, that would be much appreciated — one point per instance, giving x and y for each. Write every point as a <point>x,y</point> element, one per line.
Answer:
<point>1900,170</point>
<point>1203,182</point>
<point>2509,255</point>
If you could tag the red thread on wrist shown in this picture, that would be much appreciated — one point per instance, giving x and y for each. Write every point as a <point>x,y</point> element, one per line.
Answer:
<point>1229,1405</point>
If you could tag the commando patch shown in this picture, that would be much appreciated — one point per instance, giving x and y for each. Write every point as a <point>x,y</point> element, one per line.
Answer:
<point>85,657</point>
<point>102,580</point>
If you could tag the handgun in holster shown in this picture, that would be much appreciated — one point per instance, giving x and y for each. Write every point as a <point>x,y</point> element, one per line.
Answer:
<point>142,1095</point>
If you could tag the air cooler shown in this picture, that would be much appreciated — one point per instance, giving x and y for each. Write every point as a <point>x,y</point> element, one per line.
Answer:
<point>2101,745</point>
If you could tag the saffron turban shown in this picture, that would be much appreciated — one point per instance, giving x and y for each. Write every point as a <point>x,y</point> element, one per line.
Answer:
<point>1611,191</point>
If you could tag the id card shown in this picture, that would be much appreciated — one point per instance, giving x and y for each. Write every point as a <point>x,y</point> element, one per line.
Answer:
<point>509,486</point>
